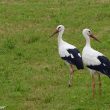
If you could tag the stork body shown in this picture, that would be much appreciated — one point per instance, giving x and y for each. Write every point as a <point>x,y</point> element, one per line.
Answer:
<point>68,52</point>
<point>94,60</point>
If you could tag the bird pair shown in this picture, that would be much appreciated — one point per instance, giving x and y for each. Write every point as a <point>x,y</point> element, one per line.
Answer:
<point>95,61</point>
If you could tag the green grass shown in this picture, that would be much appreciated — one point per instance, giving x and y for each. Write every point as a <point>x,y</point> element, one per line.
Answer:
<point>32,76</point>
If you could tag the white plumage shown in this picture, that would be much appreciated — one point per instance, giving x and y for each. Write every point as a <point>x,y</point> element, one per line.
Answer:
<point>63,47</point>
<point>68,52</point>
<point>94,60</point>
<point>90,55</point>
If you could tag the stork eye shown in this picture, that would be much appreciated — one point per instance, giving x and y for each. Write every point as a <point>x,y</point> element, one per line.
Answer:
<point>89,31</point>
<point>59,28</point>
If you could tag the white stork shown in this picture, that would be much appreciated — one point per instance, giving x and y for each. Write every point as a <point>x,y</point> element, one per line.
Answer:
<point>94,60</point>
<point>68,52</point>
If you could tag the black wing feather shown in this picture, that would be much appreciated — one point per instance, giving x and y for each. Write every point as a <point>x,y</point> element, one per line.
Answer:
<point>104,67</point>
<point>76,60</point>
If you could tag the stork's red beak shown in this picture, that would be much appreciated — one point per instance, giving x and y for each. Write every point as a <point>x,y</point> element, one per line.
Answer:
<point>54,33</point>
<point>92,36</point>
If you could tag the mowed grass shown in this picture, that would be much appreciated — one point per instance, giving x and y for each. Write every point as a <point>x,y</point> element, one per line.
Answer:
<point>32,75</point>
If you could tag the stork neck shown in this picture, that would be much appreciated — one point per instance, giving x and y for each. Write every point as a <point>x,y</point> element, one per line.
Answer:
<point>87,41</point>
<point>60,37</point>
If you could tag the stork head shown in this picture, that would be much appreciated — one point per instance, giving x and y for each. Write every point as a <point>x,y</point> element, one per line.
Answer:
<point>60,28</point>
<point>88,33</point>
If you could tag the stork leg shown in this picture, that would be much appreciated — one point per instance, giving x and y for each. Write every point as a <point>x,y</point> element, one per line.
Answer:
<point>71,75</point>
<point>100,84</point>
<point>93,85</point>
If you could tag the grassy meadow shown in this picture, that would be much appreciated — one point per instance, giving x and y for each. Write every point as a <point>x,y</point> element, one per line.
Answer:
<point>32,75</point>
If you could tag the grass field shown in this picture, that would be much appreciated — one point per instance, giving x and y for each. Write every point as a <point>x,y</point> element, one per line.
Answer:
<point>32,75</point>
